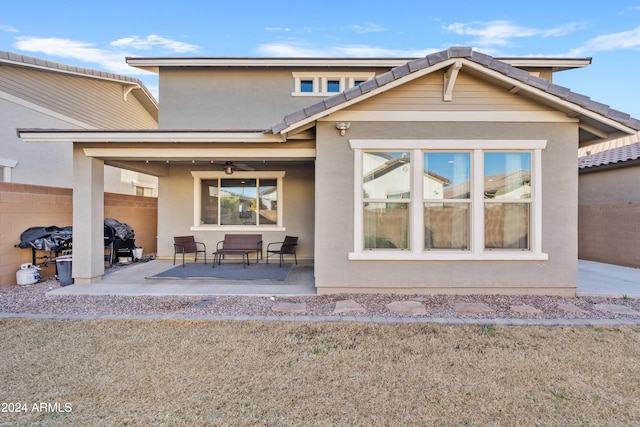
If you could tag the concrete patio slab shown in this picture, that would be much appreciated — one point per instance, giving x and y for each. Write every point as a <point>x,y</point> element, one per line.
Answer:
<point>596,279</point>
<point>138,280</point>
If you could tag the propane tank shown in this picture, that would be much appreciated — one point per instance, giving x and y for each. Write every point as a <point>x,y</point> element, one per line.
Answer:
<point>28,274</point>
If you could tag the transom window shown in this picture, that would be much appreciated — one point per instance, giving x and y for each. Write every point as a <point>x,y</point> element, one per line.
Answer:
<point>245,200</point>
<point>448,200</point>
<point>324,84</point>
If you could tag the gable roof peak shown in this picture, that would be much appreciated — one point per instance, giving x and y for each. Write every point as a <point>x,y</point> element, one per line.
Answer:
<point>487,62</point>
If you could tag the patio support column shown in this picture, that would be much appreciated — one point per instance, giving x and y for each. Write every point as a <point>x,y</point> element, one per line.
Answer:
<point>88,218</point>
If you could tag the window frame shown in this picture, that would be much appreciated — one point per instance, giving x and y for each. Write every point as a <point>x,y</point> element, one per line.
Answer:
<point>477,148</point>
<point>199,176</point>
<point>321,80</point>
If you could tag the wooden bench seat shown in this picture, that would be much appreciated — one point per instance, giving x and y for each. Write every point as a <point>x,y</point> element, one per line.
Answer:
<point>238,244</point>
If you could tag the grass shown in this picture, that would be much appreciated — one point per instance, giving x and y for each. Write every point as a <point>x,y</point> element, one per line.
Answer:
<point>161,372</point>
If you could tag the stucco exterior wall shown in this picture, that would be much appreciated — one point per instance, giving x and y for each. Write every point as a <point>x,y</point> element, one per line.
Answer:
<point>335,217</point>
<point>176,205</point>
<point>228,100</point>
<point>609,216</point>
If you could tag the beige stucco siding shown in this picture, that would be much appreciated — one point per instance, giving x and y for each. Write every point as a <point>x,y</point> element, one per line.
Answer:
<point>470,93</point>
<point>176,205</point>
<point>335,217</point>
<point>228,99</point>
<point>97,103</point>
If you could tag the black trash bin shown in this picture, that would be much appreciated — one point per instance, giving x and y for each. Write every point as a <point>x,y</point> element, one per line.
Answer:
<point>63,265</point>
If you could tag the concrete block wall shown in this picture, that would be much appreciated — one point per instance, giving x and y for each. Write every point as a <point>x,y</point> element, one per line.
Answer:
<point>23,206</point>
<point>610,233</point>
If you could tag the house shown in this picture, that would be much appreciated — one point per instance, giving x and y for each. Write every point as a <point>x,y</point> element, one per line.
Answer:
<point>608,202</point>
<point>45,94</point>
<point>325,137</point>
<point>36,180</point>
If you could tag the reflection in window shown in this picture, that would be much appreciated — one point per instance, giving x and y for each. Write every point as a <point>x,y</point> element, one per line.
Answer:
<point>507,193</point>
<point>386,176</point>
<point>447,199</point>
<point>239,201</point>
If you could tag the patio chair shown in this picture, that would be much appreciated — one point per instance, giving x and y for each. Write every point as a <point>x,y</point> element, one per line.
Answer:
<point>188,245</point>
<point>287,247</point>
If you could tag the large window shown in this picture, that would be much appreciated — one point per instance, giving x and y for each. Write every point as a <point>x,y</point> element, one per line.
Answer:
<point>386,194</point>
<point>448,199</point>
<point>246,200</point>
<point>507,194</point>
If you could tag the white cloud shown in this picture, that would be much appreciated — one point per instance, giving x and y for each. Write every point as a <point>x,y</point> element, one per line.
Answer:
<point>8,29</point>
<point>609,42</point>
<point>153,41</point>
<point>277,29</point>
<point>499,33</point>
<point>297,49</point>
<point>369,28</point>
<point>80,51</point>
<point>107,59</point>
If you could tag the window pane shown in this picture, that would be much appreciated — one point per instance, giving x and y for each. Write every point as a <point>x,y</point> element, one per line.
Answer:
<point>506,225</point>
<point>209,202</point>
<point>333,86</point>
<point>238,202</point>
<point>507,176</point>
<point>446,176</point>
<point>386,225</point>
<point>268,208</point>
<point>386,175</point>
<point>446,226</point>
<point>306,86</point>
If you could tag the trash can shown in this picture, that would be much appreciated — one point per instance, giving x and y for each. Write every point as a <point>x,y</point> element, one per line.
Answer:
<point>63,265</point>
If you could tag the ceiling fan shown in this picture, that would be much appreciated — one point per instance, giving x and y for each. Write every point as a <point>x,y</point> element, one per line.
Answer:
<point>230,166</point>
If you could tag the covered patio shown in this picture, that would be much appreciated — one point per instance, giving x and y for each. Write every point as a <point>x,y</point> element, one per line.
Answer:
<point>191,167</point>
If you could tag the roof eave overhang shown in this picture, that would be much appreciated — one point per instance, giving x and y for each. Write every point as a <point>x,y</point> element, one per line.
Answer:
<point>156,137</point>
<point>154,64</point>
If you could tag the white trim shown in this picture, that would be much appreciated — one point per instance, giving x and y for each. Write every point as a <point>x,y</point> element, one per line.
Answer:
<point>477,250</point>
<point>451,116</point>
<point>34,135</point>
<point>6,166</point>
<point>448,144</point>
<point>201,153</point>
<point>382,255</point>
<point>198,176</point>
<point>239,228</point>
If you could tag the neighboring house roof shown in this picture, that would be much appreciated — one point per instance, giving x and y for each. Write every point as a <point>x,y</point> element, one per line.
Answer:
<point>613,158</point>
<point>585,108</point>
<point>145,97</point>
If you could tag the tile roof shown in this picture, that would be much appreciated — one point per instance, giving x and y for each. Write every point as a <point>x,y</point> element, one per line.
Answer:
<point>31,62</point>
<point>608,158</point>
<point>469,54</point>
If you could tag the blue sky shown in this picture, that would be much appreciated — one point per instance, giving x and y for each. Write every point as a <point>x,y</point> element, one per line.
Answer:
<point>100,35</point>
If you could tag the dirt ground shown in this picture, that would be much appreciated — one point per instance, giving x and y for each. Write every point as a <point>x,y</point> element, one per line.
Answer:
<point>193,373</point>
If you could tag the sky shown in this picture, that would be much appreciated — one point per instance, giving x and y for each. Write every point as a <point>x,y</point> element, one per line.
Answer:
<point>100,35</point>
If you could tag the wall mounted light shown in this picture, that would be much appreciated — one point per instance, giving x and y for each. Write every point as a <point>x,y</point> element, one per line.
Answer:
<point>228,168</point>
<point>342,127</point>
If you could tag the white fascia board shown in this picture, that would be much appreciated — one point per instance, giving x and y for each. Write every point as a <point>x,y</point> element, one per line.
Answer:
<point>147,137</point>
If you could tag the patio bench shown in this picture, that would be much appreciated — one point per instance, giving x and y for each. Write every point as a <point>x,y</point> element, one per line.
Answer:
<point>238,244</point>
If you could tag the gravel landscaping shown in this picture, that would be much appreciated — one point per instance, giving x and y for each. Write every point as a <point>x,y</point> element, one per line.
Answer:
<point>33,299</point>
